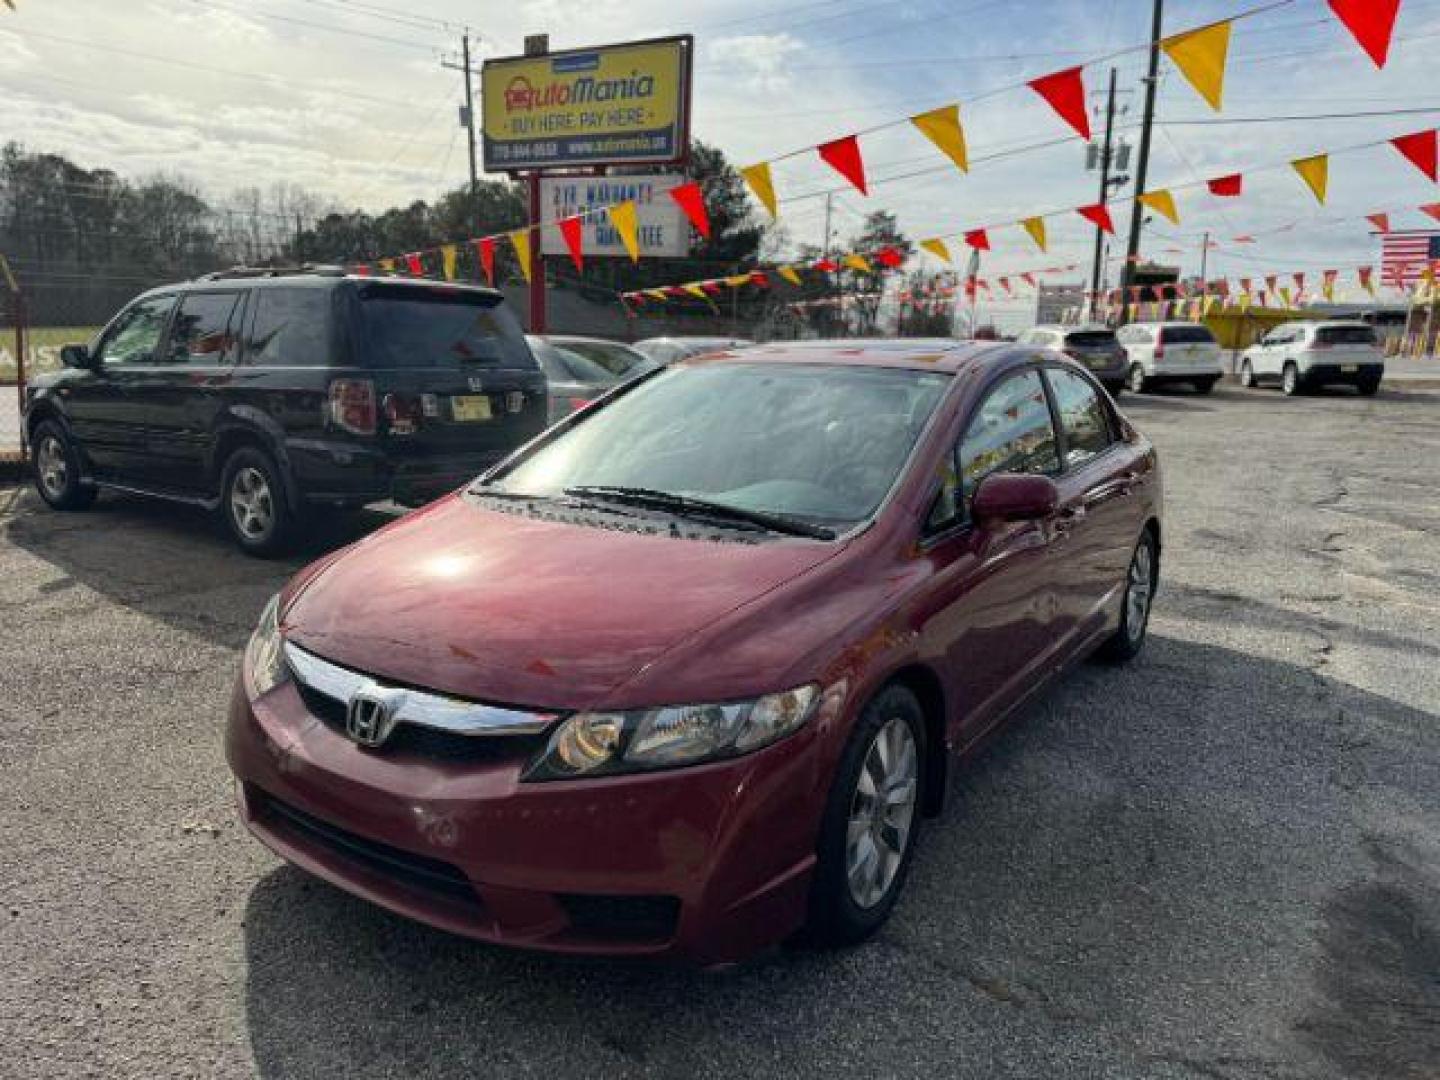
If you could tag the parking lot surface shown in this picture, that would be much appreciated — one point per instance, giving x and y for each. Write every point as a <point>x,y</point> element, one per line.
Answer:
<point>1221,861</point>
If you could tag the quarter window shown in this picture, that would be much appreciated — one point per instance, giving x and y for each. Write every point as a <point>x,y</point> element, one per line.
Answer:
<point>291,328</point>
<point>1011,432</point>
<point>202,332</point>
<point>134,338</point>
<point>1083,417</point>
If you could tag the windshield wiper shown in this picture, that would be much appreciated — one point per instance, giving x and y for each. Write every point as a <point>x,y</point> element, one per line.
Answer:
<point>702,508</point>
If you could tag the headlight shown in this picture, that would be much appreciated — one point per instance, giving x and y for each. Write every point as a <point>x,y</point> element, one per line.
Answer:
<point>602,744</point>
<point>264,658</point>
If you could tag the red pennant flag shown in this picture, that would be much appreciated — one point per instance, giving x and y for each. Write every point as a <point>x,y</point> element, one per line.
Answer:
<point>1299,279</point>
<point>760,279</point>
<point>1365,272</point>
<point>889,257</point>
<point>843,155</point>
<point>1029,279</point>
<point>1371,21</point>
<point>1419,150</point>
<point>978,239</point>
<point>711,287</point>
<point>573,230</point>
<point>1270,280</point>
<point>675,290</point>
<point>1246,239</point>
<point>1227,187</point>
<point>1099,215</point>
<point>825,266</point>
<point>691,199</point>
<point>1222,288</point>
<point>1065,91</point>
<point>362,270</point>
<point>1433,209</point>
<point>1380,221</point>
<point>485,251</point>
<point>416,264</point>
<point>1245,285</point>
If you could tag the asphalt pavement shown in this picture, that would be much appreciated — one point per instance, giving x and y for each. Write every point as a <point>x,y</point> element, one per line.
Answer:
<point>1220,861</point>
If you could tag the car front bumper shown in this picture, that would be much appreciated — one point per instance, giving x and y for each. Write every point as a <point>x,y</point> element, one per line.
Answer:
<point>708,864</point>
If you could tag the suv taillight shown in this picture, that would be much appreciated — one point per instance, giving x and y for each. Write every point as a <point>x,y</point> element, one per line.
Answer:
<point>352,406</point>
<point>1160,348</point>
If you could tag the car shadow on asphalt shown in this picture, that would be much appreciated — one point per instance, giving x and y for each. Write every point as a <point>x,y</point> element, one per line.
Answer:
<point>172,562</point>
<point>1131,873</point>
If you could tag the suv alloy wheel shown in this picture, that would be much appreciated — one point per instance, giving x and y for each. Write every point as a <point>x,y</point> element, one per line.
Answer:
<point>252,498</point>
<point>57,469</point>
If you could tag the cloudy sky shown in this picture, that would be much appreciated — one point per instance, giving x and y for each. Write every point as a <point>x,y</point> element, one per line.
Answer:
<point>348,98</point>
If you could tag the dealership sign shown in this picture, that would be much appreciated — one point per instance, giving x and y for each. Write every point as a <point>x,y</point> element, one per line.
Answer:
<point>611,105</point>
<point>663,231</point>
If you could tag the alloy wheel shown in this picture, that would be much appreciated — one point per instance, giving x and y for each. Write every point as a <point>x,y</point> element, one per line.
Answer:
<point>882,811</point>
<point>1137,379</point>
<point>252,505</point>
<point>52,467</point>
<point>1140,592</point>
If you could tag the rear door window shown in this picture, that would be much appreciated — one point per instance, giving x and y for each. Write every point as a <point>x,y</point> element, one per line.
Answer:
<point>290,328</point>
<point>1345,335</point>
<point>1188,335</point>
<point>1083,417</point>
<point>416,327</point>
<point>203,331</point>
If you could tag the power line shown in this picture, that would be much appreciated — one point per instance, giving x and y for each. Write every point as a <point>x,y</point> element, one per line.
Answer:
<point>328,27</point>
<point>389,15</point>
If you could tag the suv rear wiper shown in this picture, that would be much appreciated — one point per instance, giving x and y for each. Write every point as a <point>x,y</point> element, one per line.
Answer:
<point>703,508</point>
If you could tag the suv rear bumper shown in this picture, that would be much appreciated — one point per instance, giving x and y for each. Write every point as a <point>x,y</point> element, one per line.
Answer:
<point>1320,374</point>
<point>349,474</point>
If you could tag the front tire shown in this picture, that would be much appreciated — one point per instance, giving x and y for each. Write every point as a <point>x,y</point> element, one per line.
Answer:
<point>57,469</point>
<point>871,823</point>
<point>252,498</point>
<point>1137,382</point>
<point>1141,581</point>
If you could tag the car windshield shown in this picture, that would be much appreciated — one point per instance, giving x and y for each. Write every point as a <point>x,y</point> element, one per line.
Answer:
<point>619,360</point>
<point>413,327</point>
<point>816,443</point>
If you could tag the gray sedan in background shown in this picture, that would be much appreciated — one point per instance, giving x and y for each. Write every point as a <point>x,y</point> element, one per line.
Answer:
<point>1094,346</point>
<point>668,350</point>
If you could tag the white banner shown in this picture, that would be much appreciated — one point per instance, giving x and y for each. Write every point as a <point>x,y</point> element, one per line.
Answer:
<point>664,230</point>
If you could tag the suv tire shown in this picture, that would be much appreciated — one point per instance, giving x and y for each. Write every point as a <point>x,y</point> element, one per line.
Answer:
<point>1290,381</point>
<point>1204,386</point>
<point>1137,382</point>
<point>57,469</point>
<point>838,916</point>
<point>252,498</point>
<point>1369,386</point>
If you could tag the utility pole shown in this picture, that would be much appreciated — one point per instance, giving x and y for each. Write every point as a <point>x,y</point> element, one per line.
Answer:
<point>836,292</point>
<point>467,121</point>
<point>1142,167</point>
<point>1105,157</point>
<point>1204,257</point>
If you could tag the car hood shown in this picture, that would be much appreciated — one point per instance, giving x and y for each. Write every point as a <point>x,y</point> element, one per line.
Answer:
<point>512,609</point>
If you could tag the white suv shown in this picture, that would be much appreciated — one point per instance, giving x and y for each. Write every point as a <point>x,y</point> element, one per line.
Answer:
<point>1170,352</point>
<point>1302,355</point>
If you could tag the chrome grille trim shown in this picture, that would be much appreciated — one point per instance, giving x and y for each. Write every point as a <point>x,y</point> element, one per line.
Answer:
<point>414,707</point>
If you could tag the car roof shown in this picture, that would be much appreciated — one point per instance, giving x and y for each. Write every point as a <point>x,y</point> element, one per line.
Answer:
<point>945,355</point>
<point>1167,323</point>
<point>1072,328</point>
<point>696,340</point>
<point>222,281</point>
<point>581,339</point>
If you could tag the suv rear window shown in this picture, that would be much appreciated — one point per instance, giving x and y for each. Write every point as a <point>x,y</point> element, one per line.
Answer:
<point>1188,335</point>
<point>1090,339</point>
<point>415,327</point>
<point>1345,335</point>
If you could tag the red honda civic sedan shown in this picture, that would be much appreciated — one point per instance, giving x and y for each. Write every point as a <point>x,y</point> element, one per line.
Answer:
<point>685,674</point>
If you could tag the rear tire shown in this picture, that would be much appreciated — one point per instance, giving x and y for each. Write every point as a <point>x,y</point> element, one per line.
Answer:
<point>871,823</point>
<point>1137,383</point>
<point>1247,376</point>
<point>1290,382</point>
<point>1115,389</point>
<point>1141,581</point>
<point>1204,386</point>
<point>252,498</point>
<point>1368,387</point>
<point>57,469</point>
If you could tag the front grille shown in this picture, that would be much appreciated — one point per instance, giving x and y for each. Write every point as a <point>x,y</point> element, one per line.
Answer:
<point>622,918</point>
<point>414,871</point>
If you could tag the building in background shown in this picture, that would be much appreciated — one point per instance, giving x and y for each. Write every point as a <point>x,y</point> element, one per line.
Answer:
<point>1060,303</point>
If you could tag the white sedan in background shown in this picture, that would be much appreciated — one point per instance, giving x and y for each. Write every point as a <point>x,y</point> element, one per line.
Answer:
<point>1302,356</point>
<point>1170,352</point>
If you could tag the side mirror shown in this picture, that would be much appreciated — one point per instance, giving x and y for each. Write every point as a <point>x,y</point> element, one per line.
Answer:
<point>75,356</point>
<point>1005,497</point>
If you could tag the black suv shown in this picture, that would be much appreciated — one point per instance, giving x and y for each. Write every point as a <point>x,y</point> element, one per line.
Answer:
<point>266,395</point>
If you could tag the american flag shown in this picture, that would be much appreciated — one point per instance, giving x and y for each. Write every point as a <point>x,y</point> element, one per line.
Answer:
<point>1405,255</point>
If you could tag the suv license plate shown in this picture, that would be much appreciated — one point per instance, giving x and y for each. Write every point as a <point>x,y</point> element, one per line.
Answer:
<point>1349,369</point>
<point>470,407</point>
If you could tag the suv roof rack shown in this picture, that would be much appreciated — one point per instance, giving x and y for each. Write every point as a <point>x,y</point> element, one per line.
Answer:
<point>317,269</point>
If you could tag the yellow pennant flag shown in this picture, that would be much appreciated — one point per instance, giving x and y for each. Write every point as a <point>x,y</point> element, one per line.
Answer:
<point>1132,313</point>
<point>789,274</point>
<point>1210,302</point>
<point>858,262</point>
<point>447,259</point>
<point>1162,202</point>
<point>695,290</point>
<point>1200,56</point>
<point>387,265</point>
<point>937,248</point>
<point>738,281</point>
<point>1285,295</point>
<point>1035,226</point>
<point>658,294</point>
<point>1315,171</point>
<point>1244,302</point>
<point>942,127</point>
<point>627,223</point>
<point>758,177</point>
<point>520,240</point>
